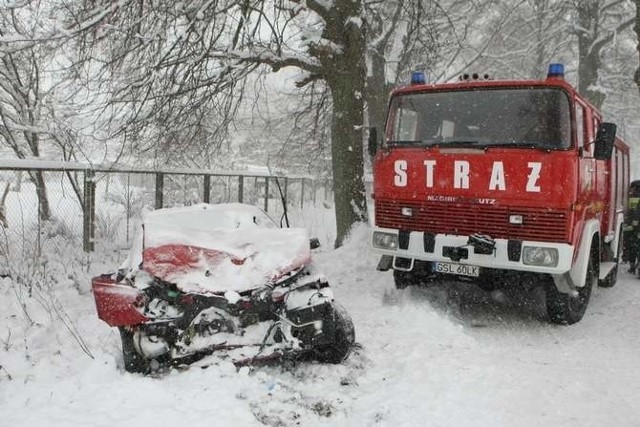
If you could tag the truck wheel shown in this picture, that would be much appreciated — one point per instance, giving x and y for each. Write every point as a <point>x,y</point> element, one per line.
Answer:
<point>567,309</point>
<point>344,338</point>
<point>133,361</point>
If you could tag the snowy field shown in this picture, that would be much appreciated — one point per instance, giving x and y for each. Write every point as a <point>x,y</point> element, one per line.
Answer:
<point>445,355</point>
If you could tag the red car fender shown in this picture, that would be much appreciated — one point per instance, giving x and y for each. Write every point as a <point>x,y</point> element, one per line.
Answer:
<point>116,303</point>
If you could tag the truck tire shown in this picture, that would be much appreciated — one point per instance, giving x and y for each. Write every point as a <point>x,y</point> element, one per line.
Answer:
<point>344,338</point>
<point>567,309</point>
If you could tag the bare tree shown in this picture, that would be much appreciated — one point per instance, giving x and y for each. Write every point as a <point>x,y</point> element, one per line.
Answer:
<point>403,36</point>
<point>22,92</point>
<point>598,23</point>
<point>524,36</point>
<point>289,128</point>
<point>510,39</point>
<point>174,64</point>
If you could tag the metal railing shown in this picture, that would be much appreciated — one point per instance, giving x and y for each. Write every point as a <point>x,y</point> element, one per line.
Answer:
<point>102,202</point>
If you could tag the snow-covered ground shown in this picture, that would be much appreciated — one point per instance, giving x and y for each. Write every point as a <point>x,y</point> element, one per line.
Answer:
<point>445,355</point>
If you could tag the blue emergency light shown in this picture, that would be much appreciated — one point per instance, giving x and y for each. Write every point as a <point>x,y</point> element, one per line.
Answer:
<point>418,78</point>
<point>556,70</point>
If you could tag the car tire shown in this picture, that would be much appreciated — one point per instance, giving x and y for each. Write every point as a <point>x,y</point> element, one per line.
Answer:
<point>134,362</point>
<point>344,338</point>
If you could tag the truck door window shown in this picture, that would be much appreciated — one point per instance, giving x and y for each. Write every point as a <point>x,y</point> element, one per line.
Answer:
<point>580,127</point>
<point>594,131</point>
<point>596,123</point>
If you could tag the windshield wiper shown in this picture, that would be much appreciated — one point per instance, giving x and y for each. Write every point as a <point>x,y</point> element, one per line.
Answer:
<point>457,143</point>
<point>521,145</point>
<point>433,143</point>
<point>406,142</point>
<point>484,144</point>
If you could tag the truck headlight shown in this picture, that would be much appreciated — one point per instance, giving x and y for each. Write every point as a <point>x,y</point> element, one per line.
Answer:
<point>536,255</point>
<point>384,240</point>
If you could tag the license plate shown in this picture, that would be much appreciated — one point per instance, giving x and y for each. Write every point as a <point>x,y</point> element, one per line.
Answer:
<point>459,269</point>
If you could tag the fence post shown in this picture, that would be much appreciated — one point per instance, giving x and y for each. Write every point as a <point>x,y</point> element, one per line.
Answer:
<point>286,190</point>
<point>207,189</point>
<point>88,212</point>
<point>326,189</point>
<point>314,190</point>
<point>159,189</point>
<point>128,211</point>
<point>266,194</point>
<point>302,193</point>
<point>240,188</point>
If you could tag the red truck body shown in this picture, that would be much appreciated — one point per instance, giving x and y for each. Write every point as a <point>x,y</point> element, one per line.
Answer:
<point>482,177</point>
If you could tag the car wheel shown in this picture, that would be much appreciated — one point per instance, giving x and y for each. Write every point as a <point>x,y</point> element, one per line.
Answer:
<point>344,338</point>
<point>134,362</point>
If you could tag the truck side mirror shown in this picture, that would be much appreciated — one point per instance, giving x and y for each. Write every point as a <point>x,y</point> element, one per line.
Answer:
<point>373,141</point>
<point>605,139</point>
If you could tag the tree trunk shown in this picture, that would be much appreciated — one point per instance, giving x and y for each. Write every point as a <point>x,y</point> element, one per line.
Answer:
<point>589,57</point>
<point>345,75</point>
<point>44,210</point>
<point>377,92</point>
<point>347,156</point>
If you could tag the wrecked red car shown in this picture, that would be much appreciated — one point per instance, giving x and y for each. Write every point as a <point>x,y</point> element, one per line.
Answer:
<point>221,280</point>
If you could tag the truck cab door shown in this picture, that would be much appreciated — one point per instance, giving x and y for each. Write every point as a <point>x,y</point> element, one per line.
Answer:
<point>588,167</point>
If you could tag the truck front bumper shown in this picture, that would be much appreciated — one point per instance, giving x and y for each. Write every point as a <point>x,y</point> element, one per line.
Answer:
<point>499,254</point>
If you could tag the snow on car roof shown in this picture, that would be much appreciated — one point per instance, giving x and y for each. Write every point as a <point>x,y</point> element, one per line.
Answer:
<point>254,250</point>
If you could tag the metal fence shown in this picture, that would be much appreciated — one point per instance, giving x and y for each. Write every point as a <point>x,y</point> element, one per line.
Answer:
<point>92,205</point>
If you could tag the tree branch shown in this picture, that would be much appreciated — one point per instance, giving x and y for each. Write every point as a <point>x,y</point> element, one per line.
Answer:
<point>600,42</point>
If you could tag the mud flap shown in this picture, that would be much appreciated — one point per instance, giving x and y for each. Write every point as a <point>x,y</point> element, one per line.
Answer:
<point>564,283</point>
<point>606,268</point>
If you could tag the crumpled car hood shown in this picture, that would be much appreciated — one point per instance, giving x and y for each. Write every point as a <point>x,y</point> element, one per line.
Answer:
<point>217,248</point>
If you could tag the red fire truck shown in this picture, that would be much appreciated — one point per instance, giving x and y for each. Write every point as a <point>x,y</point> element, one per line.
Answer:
<point>501,182</point>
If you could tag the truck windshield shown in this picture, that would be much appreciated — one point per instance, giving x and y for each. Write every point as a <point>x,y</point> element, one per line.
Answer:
<point>482,117</point>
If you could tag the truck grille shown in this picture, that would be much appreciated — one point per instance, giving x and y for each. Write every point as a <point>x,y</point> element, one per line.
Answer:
<point>539,224</point>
